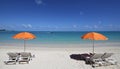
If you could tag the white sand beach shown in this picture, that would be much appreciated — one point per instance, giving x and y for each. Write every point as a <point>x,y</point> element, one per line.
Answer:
<point>57,58</point>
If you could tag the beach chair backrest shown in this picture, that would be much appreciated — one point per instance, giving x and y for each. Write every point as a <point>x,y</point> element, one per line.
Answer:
<point>96,56</point>
<point>106,55</point>
<point>25,54</point>
<point>12,55</point>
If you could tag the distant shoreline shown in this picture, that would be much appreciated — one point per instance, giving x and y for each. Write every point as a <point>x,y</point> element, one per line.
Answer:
<point>3,30</point>
<point>55,31</point>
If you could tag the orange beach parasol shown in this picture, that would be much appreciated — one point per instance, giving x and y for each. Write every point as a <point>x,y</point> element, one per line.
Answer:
<point>94,36</point>
<point>24,36</point>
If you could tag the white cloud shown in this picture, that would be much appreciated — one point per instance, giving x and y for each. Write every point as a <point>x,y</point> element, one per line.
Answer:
<point>110,25</point>
<point>11,26</point>
<point>88,26</point>
<point>81,13</point>
<point>99,22</point>
<point>56,27</point>
<point>39,2</point>
<point>75,26</point>
<point>1,26</point>
<point>27,25</point>
<point>95,26</point>
<point>24,25</point>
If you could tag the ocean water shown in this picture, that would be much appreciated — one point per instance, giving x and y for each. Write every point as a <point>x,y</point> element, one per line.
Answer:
<point>58,37</point>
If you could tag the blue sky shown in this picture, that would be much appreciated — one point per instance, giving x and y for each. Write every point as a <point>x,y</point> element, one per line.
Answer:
<point>60,15</point>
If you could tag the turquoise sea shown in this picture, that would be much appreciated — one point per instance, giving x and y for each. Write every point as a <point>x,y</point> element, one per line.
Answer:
<point>58,37</point>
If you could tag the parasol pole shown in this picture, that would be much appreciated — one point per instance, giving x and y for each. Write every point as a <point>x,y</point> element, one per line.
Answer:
<point>24,45</point>
<point>93,46</point>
